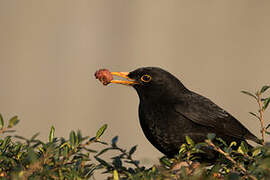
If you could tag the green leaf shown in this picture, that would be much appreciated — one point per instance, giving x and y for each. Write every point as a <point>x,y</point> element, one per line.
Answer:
<point>66,150</point>
<point>200,145</point>
<point>255,115</point>
<point>20,137</point>
<point>117,162</point>
<point>242,148</point>
<point>101,131</point>
<point>233,144</point>
<point>189,141</point>
<point>115,175</point>
<point>165,161</point>
<point>183,148</point>
<point>79,136</point>
<point>134,162</point>
<point>72,138</point>
<point>13,121</point>
<point>5,142</point>
<point>64,144</point>
<point>256,152</point>
<point>153,169</point>
<point>132,150</point>
<point>114,141</point>
<point>34,137</point>
<point>222,141</point>
<point>1,121</point>
<point>51,135</point>
<point>103,151</point>
<point>249,94</point>
<point>266,103</point>
<point>264,88</point>
<point>211,136</point>
<point>102,162</point>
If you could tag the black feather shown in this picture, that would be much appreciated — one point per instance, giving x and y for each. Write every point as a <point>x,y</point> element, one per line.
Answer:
<point>169,112</point>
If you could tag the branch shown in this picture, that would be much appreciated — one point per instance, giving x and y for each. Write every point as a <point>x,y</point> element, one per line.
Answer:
<point>6,130</point>
<point>210,143</point>
<point>259,101</point>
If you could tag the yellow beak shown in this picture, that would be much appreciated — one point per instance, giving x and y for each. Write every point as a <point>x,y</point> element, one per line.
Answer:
<point>123,75</point>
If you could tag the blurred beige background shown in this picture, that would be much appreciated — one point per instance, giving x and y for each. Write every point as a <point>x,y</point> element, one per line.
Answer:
<point>49,51</point>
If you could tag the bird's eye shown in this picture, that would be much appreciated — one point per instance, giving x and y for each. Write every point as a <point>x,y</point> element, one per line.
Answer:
<point>146,78</point>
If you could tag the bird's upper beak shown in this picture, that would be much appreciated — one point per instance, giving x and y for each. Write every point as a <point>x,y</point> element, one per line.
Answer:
<point>128,80</point>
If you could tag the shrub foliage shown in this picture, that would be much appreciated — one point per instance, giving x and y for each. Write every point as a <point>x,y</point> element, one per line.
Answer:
<point>74,158</point>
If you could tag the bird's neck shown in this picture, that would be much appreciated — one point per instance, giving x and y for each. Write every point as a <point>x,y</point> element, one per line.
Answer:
<point>169,96</point>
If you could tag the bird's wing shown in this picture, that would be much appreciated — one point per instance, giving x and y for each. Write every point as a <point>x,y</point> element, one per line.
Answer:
<point>204,112</point>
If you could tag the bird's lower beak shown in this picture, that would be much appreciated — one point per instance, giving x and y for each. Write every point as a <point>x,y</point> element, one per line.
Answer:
<point>129,81</point>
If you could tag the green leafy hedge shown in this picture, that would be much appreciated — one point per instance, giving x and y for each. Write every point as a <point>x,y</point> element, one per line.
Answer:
<point>74,158</point>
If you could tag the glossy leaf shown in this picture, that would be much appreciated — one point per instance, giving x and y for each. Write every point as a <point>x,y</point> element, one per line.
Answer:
<point>256,152</point>
<point>115,175</point>
<point>1,121</point>
<point>249,94</point>
<point>13,121</point>
<point>132,150</point>
<point>51,135</point>
<point>165,161</point>
<point>255,115</point>
<point>222,141</point>
<point>114,141</point>
<point>183,148</point>
<point>102,162</point>
<point>117,162</point>
<point>266,103</point>
<point>72,138</point>
<point>264,88</point>
<point>34,136</point>
<point>101,131</point>
<point>103,151</point>
<point>189,141</point>
<point>233,144</point>
<point>242,148</point>
<point>5,142</point>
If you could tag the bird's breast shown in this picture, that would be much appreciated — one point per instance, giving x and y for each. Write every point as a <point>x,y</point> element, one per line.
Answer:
<point>161,126</point>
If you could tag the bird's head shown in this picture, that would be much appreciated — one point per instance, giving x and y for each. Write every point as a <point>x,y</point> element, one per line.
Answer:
<point>152,83</point>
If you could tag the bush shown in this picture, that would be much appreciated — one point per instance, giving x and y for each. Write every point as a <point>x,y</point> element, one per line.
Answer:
<point>60,158</point>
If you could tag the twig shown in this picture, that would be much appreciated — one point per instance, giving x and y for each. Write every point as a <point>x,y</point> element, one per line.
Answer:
<point>5,130</point>
<point>259,101</point>
<point>127,156</point>
<point>72,152</point>
<point>229,158</point>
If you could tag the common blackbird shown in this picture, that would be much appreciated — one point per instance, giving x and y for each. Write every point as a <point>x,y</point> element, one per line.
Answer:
<point>169,112</point>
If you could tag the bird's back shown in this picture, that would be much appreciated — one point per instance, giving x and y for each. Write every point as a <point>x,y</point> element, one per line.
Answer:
<point>167,124</point>
<point>166,129</point>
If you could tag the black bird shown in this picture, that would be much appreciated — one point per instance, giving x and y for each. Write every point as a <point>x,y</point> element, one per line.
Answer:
<point>169,112</point>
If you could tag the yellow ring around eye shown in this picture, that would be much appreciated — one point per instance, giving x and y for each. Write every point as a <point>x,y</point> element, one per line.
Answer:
<point>146,78</point>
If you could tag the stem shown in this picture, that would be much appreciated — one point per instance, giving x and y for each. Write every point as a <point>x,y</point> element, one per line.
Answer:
<point>259,100</point>
<point>127,156</point>
<point>6,130</point>
<point>229,158</point>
